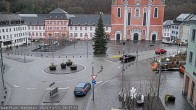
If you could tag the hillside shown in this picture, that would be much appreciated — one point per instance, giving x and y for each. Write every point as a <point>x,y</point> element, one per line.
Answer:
<point>173,7</point>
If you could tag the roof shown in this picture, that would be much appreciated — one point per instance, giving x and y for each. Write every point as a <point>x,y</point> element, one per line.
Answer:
<point>193,18</point>
<point>90,19</point>
<point>182,17</point>
<point>58,13</point>
<point>167,23</point>
<point>34,19</point>
<point>58,10</point>
<point>9,17</point>
<point>80,84</point>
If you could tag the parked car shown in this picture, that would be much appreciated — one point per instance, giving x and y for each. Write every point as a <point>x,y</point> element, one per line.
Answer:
<point>181,69</point>
<point>127,58</point>
<point>82,88</point>
<point>160,51</point>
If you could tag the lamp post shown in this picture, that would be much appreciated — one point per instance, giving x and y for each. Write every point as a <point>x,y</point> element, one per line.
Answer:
<point>86,44</point>
<point>2,67</point>
<point>159,78</point>
<point>51,44</point>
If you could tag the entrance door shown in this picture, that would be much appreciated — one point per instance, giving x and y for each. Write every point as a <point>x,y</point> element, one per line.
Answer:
<point>118,38</point>
<point>135,37</point>
<point>153,37</point>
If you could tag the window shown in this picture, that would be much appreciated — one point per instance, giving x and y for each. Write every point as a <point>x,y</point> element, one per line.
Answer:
<point>144,19</point>
<point>155,12</point>
<point>6,30</point>
<point>35,27</point>
<point>75,28</point>
<point>106,28</point>
<point>91,34</point>
<point>3,36</point>
<point>32,28</point>
<point>80,28</point>
<point>193,35</point>
<point>129,18</point>
<point>10,29</point>
<point>90,28</point>
<point>71,35</point>
<point>70,28</point>
<point>85,28</point>
<point>80,34</point>
<point>40,28</point>
<point>40,34</point>
<point>75,34</point>
<point>137,13</point>
<point>2,30</point>
<point>118,12</point>
<point>190,57</point>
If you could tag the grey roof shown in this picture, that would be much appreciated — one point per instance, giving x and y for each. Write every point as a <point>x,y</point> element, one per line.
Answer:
<point>182,17</point>
<point>167,23</point>
<point>58,13</point>
<point>58,10</point>
<point>193,18</point>
<point>35,20</point>
<point>90,19</point>
<point>9,17</point>
<point>189,17</point>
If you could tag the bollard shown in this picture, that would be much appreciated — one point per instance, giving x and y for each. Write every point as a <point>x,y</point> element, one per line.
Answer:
<point>5,92</point>
<point>66,56</point>
<point>5,88</point>
<point>73,56</point>
<point>4,97</point>
<point>80,56</point>
<point>59,57</point>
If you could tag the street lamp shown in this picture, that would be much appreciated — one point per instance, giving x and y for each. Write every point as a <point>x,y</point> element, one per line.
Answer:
<point>86,44</point>
<point>2,66</point>
<point>159,61</point>
<point>50,43</point>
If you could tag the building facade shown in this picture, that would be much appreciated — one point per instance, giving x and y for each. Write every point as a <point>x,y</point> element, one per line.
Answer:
<point>137,19</point>
<point>13,31</point>
<point>58,25</point>
<point>189,88</point>
<point>166,31</point>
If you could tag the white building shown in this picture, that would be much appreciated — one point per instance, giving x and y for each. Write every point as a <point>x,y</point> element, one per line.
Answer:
<point>166,31</point>
<point>13,31</point>
<point>36,27</point>
<point>83,25</point>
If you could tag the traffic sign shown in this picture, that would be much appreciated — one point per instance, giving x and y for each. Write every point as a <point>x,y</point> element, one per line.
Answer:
<point>94,77</point>
<point>93,81</point>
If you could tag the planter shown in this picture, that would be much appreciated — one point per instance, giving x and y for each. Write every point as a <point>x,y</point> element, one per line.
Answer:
<point>63,66</point>
<point>169,98</point>
<point>52,68</point>
<point>69,63</point>
<point>73,67</point>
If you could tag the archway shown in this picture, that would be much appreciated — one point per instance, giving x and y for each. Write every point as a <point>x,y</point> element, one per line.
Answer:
<point>153,37</point>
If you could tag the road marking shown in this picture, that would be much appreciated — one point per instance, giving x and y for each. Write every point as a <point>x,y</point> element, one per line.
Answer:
<point>58,88</point>
<point>99,82</point>
<point>15,86</point>
<point>31,88</point>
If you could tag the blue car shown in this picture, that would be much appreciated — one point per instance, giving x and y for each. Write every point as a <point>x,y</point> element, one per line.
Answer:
<point>82,88</point>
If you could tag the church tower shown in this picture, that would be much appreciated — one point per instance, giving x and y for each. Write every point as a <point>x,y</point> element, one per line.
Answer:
<point>137,19</point>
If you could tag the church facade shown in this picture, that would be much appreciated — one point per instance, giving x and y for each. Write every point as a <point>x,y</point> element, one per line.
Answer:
<point>137,19</point>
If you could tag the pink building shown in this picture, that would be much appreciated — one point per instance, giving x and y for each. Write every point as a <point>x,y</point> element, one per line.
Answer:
<point>56,25</point>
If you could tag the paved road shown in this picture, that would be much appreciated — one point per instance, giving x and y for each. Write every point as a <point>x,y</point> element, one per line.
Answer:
<point>30,82</point>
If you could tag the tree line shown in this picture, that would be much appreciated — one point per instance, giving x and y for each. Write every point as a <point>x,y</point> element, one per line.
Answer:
<point>172,9</point>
